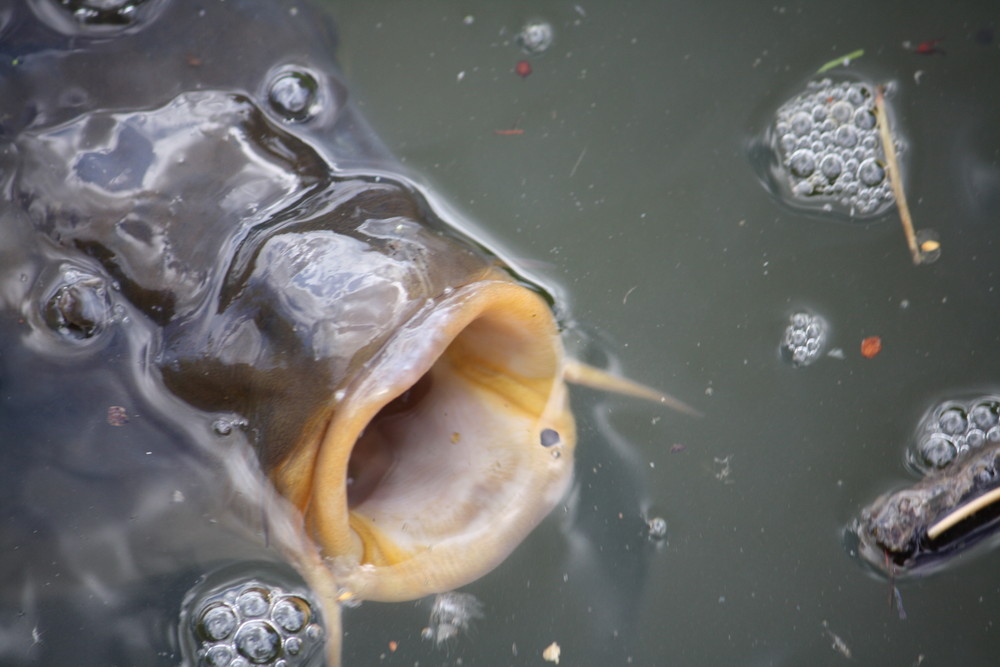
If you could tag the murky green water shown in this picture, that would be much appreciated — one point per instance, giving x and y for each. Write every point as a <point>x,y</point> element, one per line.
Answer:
<point>617,175</point>
<point>631,194</point>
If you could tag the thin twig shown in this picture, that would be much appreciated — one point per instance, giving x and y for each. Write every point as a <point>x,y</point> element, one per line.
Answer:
<point>895,178</point>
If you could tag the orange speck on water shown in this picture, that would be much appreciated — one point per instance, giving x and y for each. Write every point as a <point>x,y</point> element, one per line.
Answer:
<point>523,68</point>
<point>393,646</point>
<point>871,346</point>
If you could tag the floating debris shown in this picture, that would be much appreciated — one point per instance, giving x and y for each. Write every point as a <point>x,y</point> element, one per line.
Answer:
<point>117,416</point>
<point>896,180</point>
<point>451,614</point>
<point>844,60</point>
<point>839,645</point>
<point>724,469</point>
<point>871,346</point>
<point>551,653</point>
<point>523,68</point>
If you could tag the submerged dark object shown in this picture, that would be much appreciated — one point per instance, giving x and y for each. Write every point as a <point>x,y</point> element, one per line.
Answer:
<point>955,506</point>
<point>198,229</point>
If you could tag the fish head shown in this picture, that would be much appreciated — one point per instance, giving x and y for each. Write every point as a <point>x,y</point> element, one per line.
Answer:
<point>401,388</point>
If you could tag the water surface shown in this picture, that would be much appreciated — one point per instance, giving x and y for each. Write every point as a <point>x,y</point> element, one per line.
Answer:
<point>630,193</point>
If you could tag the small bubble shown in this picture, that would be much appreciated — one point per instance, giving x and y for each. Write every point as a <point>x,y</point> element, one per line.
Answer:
<point>217,622</point>
<point>831,166</point>
<point>938,452</point>
<point>222,426</point>
<point>801,124</point>
<point>293,95</point>
<point>871,172</point>
<point>855,95</point>
<point>253,602</point>
<point>953,421</point>
<point>840,112</point>
<point>258,642</point>
<point>657,528</point>
<point>975,438</point>
<point>802,163</point>
<point>864,119</point>
<point>846,136</point>
<point>536,36</point>
<point>293,645</point>
<point>985,415</point>
<point>219,655</point>
<point>291,613</point>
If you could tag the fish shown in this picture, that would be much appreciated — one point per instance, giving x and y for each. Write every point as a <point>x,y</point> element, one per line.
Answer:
<point>267,314</point>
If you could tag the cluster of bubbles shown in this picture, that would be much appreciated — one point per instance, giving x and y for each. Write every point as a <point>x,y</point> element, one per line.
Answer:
<point>256,624</point>
<point>827,139</point>
<point>804,339</point>
<point>953,428</point>
<point>451,614</point>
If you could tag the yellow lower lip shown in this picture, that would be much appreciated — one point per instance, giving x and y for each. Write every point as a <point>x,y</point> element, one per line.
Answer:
<point>450,478</point>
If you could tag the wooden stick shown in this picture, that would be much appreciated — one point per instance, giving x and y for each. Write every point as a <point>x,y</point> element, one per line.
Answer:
<point>963,513</point>
<point>892,172</point>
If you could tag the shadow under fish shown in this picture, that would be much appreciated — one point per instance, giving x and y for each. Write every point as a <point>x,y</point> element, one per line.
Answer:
<point>206,252</point>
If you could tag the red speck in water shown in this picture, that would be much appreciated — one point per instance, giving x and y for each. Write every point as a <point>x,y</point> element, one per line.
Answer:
<point>523,68</point>
<point>871,346</point>
<point>928,47</point>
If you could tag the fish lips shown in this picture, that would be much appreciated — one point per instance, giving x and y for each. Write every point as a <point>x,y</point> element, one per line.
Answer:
<point>444,452</point>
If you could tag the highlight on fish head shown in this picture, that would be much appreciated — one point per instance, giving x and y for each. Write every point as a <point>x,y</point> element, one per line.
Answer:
<point>441,455</point>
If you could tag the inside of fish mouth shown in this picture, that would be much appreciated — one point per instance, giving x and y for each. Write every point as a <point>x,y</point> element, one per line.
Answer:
<point>374,454</point>
<point>495,373</point>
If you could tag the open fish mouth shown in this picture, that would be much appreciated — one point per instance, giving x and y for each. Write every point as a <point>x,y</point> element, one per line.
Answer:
<point>916,529</point>
<point>444,452</point>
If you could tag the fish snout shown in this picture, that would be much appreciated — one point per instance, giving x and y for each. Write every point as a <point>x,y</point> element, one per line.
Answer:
<point>444,452</point>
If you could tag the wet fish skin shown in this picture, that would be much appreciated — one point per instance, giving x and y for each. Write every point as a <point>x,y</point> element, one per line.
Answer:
<point>250,267</point>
